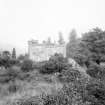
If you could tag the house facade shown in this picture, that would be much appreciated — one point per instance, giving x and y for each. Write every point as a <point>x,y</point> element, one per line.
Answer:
<point>42,51</point>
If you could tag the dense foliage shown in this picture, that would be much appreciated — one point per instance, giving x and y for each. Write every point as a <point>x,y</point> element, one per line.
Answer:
<point>91,53</point>
<point>95,92</point>
<point>77,87</point>
<point>71,94</point>
<point>72,45</point>
<point>91,48</point>
<point>14,53</point>
<point>27,65</point>
<point>69,75</point>
<point>56,63</point>
<point>8,62</point>
<point>96,71</point>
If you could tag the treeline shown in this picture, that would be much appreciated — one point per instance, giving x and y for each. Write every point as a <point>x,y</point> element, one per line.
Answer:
<point>7,59</point>
<point>89,52</point>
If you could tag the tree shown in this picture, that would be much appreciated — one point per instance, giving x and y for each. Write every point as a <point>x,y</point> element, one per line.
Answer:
<point>6,55</point>
<point>95,92</point>
<point>61,40</point>
<point>95,71</point>
<point>69,75</point>
<point>91,47</point>
<point>21,57</point>
<point>49,40</point>
<point>6,59</point>
<point>72,44</point>
<point>27,65</point>
<point>73,36</point>
<point>56,63</point>
<point>14,53</point>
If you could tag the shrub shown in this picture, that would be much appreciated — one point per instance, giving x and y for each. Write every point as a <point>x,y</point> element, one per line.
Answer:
<point>66,96</point>
<point>27,65</point>
<point>4,79</point>
<point>56,63</point>
<point>48,68</point>
<point>58,57</point>
<point>75,80</point>
<point>96,71</point>
<point>13,73</point>
<point>14,62</point>
<point>33,100</point>
<point>10,74</point>
<point>69,75</point>
<point>38,65</point>
<point>13,87</point>
<point>6,63</point>
<point>56,100</point>
<point>95,92</point>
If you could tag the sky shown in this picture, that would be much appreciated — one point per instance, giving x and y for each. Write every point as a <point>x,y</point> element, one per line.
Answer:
<point>23,20</point>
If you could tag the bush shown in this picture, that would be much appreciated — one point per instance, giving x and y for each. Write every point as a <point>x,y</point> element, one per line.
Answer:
<point>14,62</point>
<point>10,74</point>
<point>95,92</point>
<point>7,75</point>
<point>66,96</point>
<point>69,75</point>
<point>4,79</point>
<point>33,100</point>
<point>6,63</point>
<point>96,71</point>
<point>56,63</point>
<point>56,100</point>
<point>58,57</point>
<point>74,80</point>
<point>27,65</point>
<point>48,68</point>
<point>13,87</point>
<point>52,67</point>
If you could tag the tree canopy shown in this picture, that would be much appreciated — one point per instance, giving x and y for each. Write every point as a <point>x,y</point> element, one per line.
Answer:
<point>61,39</point>
<point>91,47</point>
<point>14,53</point>
<point>72,44</point>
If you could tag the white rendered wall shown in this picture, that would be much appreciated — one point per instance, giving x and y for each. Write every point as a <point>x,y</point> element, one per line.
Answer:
<point>43,52</point>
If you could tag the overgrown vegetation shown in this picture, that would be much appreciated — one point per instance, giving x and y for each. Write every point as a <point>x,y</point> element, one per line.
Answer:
<point>27,65</point>
<point>56,63</point>
<point>91,54</point>
<point>77,88</point>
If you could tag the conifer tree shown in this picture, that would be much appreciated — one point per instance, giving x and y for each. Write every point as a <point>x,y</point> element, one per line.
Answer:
<point>72,44</point>
<point>14,53</point>
<point>49,40</point>
<point>61,39</point>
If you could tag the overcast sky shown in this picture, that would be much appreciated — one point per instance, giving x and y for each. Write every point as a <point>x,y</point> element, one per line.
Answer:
<point>22,20</point>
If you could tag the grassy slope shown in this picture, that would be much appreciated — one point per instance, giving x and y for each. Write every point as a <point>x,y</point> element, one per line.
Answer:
<point>36,85</point>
